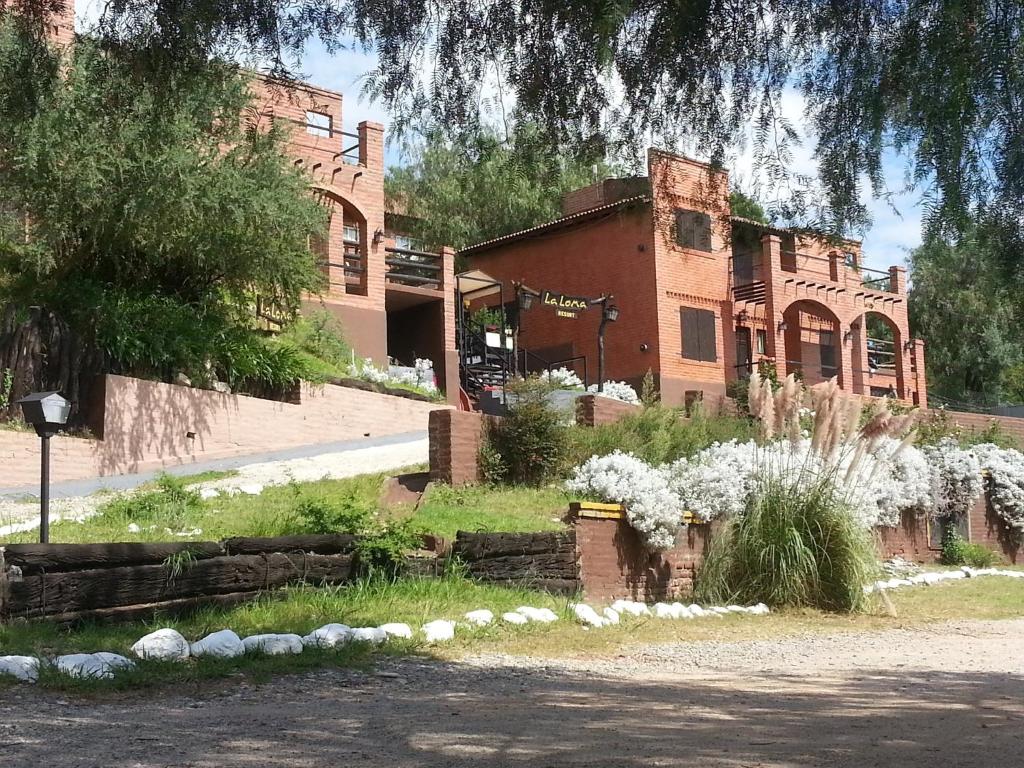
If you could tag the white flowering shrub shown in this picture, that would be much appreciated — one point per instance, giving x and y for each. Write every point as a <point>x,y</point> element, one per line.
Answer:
<point>617,390</point>
<point>652,507</point>
<point>562,378</point>
<point>956,478</point>
<point>716,482</point>
<point>1005,467</point>
<point>419,376</point>
<point>907,485</point>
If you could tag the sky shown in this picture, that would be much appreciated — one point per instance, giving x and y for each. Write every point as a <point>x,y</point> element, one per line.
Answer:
<point>896,223</point>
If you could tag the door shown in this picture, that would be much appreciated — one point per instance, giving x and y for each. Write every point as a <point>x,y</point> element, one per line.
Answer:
<point>743,353</point>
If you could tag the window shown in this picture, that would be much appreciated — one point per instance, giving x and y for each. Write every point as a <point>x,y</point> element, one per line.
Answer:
<point>762,341</point>
<point>827,353</point>
<point>850,259</point>
<point>318,124</point>
<point>698,331</point>
<point>350,233</point>
<point>693,230</point>
<point>406,243</point>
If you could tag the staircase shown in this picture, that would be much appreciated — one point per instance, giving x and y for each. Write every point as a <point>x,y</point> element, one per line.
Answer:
<point>483,367</point>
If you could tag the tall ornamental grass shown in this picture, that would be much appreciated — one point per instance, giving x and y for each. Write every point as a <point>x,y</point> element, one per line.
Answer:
<point>798,541</point>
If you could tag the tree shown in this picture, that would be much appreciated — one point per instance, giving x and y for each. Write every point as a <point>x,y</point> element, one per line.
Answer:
<point>146,216</point>
<point>962,306</point>
<point>941,79</point>
<point>485,186</point>
<point>747,207</point>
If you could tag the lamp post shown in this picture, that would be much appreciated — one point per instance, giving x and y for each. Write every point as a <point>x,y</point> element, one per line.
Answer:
<point>525,298</point>
<point>47,412</point>
<point>609,314</point>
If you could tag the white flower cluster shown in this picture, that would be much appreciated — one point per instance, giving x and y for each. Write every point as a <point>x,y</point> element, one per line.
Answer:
<point>652,507</point>
<point>908,484</point>
<point>1006,482</point>
<point>956,478</point>
<point>421,375</point>
<point>716,482</point>
<point>562,378</point>
<point>617,390</point>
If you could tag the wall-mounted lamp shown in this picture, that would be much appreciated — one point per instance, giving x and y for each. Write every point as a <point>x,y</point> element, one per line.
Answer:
<point>848,335</point>
<point>908,345</point>
<point>378,237</point>
<point>783,326</point>
<point>742,316</point>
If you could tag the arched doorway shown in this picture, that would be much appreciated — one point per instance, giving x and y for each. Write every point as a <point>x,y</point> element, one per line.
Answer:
<point>812,342</point>
<point>877,356</point>
<point>343,252</point>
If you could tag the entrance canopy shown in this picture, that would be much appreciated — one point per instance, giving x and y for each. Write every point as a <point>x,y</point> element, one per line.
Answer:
<point>475,285</point>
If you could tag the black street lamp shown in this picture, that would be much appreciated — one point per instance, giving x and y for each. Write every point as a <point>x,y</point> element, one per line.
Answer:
<point>47,412</point>
<point>609,314</point>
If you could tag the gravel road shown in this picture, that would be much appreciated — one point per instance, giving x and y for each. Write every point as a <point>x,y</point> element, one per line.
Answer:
<point>946,695</point>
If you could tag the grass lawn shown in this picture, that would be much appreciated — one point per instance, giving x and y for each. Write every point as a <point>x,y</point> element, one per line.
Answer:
<point>274,512</point>
<point>415,601</point>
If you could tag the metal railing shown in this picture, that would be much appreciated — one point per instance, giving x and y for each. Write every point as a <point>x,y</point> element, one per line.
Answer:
<point>420,269</point>
<point>542,364</point>
<point>881,283</point>
<point>349,154</point>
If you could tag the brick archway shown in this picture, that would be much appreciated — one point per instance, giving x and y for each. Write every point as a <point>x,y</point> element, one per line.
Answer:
<point>812,342</point>
<point>876,354</point>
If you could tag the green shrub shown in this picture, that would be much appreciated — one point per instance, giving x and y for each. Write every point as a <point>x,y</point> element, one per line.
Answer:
<point>658,434</point>
<point>793,546</point>
<point>956,550</point>
<point>169,505</point>
<point>529,445</point>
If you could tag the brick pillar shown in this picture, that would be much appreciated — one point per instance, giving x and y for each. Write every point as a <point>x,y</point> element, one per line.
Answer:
<point>920,383</point>
<point>847,378</point>
<point>771,260</point>
<point>371,145</point>
<point>836,267</point>
<point>898,280</point>
<point>450,380</point>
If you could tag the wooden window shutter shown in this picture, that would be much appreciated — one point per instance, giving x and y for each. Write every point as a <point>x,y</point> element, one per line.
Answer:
<point>693,230</point>
<point>708,344</point>
<point>689,322</point>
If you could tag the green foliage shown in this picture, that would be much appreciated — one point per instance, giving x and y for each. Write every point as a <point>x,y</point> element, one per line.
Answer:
<point>793,546</point>
<point>956,550</point>
<point>967,310</point>
<point>482,185</point>
<point>321,336</point>
<point>747,207</point>
<point>169,505</point>
<point>531,440</point>
<point>149,213</point>
<point>659,434</point>
<point>936,425</point>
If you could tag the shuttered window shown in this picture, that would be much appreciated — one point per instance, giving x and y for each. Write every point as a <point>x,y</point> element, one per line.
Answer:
<point>698,331</point>
<point>693,230</point>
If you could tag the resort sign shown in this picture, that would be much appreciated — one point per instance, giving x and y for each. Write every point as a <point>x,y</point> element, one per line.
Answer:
<point>564,306</point>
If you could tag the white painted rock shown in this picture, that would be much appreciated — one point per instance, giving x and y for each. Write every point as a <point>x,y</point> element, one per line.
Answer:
<point>439,631</point>
<point>543,615</point>
<point>697,612</point>
<point>163,645</point>
<point>721,610</point>
<point>396,630</point>
<point>480,618</point>
<point>273,644</point>
<point>251,489</point>
<point>95,665</point>
<point>680,611</point>
<point>328,636</point>
<point>372,635</point>
<point>588,615</point>
<point>631,607</point>
<point>224,644</point>
<point>24,668</point>
<point>134,528</point>
<point>664,611</point>
<point>208,493</point>
<point>514,618</point>
<point>610,615</point>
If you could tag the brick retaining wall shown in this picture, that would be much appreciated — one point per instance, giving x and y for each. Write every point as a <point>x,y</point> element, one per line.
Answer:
<point>593,410</point>
<point>146,425</point>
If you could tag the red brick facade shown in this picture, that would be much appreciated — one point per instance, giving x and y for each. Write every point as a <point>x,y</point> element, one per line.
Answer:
<point>703,295</point>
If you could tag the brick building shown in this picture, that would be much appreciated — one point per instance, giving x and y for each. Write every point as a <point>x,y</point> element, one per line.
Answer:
<point>703,295</point>
<point>393,301</point>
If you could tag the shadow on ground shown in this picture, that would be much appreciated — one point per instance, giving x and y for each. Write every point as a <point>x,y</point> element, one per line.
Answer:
<point>441,714</point>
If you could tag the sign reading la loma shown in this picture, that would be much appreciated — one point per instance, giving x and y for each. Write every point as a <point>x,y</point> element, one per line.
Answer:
<point>564,306</point>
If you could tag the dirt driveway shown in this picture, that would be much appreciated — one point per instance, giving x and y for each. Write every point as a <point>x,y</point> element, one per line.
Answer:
<point>949,695</point>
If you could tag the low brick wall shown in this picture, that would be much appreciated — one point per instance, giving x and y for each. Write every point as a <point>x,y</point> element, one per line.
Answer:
<point>915,540</point>
<point>594,410</point>
<point>146,425</point>
<point>615,564</point>
<point>979,422</point>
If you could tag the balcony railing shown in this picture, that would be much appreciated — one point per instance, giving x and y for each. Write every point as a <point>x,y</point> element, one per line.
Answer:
<point>347,154</point>
<point>419,269</point>
<point>876,279</point>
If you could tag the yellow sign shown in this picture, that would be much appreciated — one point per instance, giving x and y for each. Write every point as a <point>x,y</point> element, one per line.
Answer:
<point>565,306</point>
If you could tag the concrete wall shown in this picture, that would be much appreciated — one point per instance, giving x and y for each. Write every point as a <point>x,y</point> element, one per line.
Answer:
<point>146,425</point>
